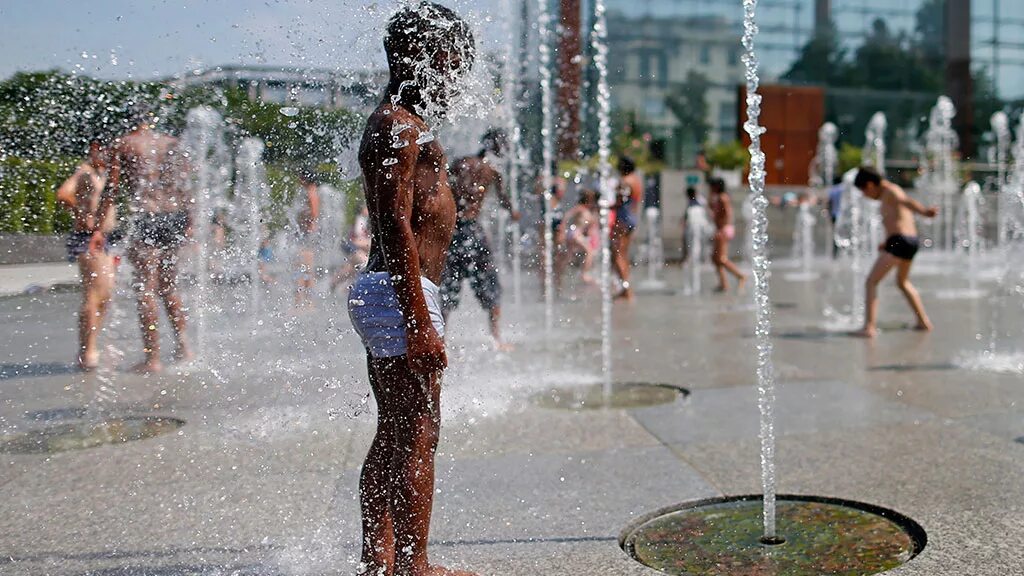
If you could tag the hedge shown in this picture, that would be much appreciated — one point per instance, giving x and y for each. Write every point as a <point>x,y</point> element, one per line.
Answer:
<point>28,196</point>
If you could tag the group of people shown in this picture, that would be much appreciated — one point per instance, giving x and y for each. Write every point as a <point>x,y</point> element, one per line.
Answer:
<point>421,238</point>
<point>149,167</point>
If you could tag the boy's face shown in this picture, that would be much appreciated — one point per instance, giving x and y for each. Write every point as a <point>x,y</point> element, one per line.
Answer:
<point>97,155</point>
<point>872,190</point>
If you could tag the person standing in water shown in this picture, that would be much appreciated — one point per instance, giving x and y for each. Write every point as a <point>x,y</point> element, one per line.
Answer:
<point>725,231</point>
<point>81,195</point>
<point>154,173</point>
<point>395,304</point>
<point>627,210</point>
<point>897,251</point>
<point>305,234</point>
<point>469,256</point>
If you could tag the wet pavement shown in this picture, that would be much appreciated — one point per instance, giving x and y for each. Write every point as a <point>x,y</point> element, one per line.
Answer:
<point>261,478</point>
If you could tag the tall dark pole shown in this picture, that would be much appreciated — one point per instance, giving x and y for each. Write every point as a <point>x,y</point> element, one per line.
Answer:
<point>822,15</point>
<point>570,74</point>
<point>959,84</point>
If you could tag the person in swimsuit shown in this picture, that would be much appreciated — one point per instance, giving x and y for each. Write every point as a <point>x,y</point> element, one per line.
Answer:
<point>469,257</point>
<point>80,194</point>
<point>154,174</point>
<point>559,185</point>
<point>725,231</point>
<point>627,210</point>
<point>356,249</point>
<point>897,251</point>
<point>578,230</point>
<point>395,304</point>
<point>305,259</point>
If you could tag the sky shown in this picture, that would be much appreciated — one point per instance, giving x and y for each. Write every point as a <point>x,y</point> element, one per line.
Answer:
<point>147,39</point>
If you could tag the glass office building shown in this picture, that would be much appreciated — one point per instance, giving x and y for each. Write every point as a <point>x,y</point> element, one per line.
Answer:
<point>676,64</point>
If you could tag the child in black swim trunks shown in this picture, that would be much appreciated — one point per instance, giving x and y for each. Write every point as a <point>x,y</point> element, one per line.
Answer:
<point>897,251</point>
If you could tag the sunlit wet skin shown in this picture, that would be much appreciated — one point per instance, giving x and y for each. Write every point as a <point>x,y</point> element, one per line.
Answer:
<point>152,166</point>
<point>81,195</point>
<point>412,220</point>
<point>898,211</point>
<point>472,177</point>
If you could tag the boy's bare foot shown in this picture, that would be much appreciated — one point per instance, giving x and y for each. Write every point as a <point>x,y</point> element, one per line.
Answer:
<point>502,346</point>
<point>865,332</point>
<point>625,294</point>
<point>183,353</point>
<point>442,571</point>
<point>740,283</point>
<point>923,326</point>
<point>148,366</point>
<point>88,361</point>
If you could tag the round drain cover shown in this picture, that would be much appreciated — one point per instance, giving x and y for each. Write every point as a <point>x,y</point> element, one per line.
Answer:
<point>621,395</point>
<point>816,536</point>
<point>82,435</point>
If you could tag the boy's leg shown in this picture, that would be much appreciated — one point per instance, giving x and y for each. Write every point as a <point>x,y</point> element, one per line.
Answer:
<point>168,278</point>
<point>146,282</point>
<point>415,409</point>
<point>718,258</point>
<point>883,264</point>
<point>87,321</point>
<point>378,558</point>
<point>913,298</point>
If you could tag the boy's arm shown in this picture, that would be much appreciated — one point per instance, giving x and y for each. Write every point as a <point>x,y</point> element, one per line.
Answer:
<point>904,199</point>
<point>67,194</point>
<point>392,183</point>
<point>98,242</point>
<point>503,197</point>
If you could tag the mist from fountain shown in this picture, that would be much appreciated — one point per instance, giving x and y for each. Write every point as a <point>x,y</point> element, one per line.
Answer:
<point>210,161</point>
<point>941,143</point>
<point>761,269</point>
<point>605,186</point>
<point>252,192</point>
<point>1000,123</point>
<point>655,252</point>
<point>547,181</point>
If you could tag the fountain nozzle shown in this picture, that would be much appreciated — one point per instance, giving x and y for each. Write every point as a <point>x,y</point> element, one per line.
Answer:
<point>772,540</point>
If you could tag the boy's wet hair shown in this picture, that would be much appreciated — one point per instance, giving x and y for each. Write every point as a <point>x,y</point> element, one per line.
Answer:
<point>716,185</point>
<point>415,33</point>
<point>867,175</point>
<point>494,140</point>
<point>588,196</point>
<point>691,193</point>
<point>627,165</point>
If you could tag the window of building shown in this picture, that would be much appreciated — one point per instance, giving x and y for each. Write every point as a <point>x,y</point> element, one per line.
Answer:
<point>705,54</point>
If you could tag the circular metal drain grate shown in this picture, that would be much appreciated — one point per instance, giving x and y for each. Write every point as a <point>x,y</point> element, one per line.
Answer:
<point>623,395</point>
<point>82,435</point>
<point>818,536</point>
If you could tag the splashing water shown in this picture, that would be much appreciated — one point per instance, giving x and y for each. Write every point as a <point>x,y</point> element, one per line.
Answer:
<point>251,189</point>
<point>208,154</point>
<point>548,134</point>
<point>514,152</point>
<point>1001,128</point>
<point>761,264</point>
<point>604,144</point>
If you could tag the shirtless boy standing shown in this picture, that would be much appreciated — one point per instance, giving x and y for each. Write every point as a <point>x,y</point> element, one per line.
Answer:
<point>395,305</point>
<point>81,195</point>
<point>155,178</point>
<point>897,251</point>
<point>469,257</point>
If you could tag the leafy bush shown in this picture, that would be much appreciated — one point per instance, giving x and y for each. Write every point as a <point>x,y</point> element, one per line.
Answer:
<point>28,196</point>
<point>728,156</point>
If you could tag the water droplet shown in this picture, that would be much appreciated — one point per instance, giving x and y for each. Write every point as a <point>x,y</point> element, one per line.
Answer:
<point>390,162</point>
<point>290,111</point>
<point>424,138</point>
